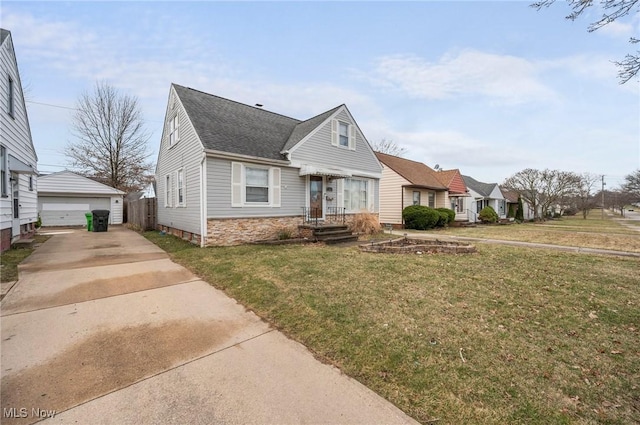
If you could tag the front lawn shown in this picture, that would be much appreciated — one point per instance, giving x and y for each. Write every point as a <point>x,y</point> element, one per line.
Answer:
<point>571,231</point>
<point>507,335</point>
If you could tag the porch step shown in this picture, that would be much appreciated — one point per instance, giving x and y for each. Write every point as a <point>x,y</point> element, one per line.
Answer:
<point>333,233</point>
<point>340,239</point>
<point>23,243</point>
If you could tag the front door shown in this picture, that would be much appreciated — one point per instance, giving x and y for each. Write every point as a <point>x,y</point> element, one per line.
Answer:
<point>15,228</point>
<point>315,196</point>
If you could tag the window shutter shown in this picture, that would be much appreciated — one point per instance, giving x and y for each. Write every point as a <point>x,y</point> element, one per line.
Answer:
<point>275,187</point>
<point>352,137</point>
<point>340,193</point>
<point>236,184</point>
<point>334,132</point>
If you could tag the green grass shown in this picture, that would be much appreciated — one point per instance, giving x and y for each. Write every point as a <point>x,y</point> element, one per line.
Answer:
<point>571,231</point>
<point>14,256</point>
<point>507,335</point>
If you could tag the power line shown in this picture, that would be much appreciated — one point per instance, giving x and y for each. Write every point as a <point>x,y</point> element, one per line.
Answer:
<point>51,105</point>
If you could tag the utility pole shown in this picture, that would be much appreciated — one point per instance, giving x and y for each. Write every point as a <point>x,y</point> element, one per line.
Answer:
<point>603,184</point>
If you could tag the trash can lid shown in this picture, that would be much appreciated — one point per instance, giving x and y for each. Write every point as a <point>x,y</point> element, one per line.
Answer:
<point>100,212</point>
<point>88,214</point>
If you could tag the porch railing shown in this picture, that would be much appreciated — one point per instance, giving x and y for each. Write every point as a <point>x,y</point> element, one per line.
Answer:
<point>314,215</point>
<point>475,216</point>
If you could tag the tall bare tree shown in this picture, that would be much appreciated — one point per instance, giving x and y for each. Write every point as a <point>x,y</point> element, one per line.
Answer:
<point>389,147</point>
<point>611,11</point>
<point>111,144</point>
<point>585,200</point>
<point>632,184</point>
<point>542,189</point>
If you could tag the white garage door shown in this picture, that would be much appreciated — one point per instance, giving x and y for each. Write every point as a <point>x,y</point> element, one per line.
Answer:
<point>69,211</point>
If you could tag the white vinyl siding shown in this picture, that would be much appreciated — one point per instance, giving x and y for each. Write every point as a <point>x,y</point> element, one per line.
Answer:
<point>16,140</point>
<point>254,185</point>
<point>187,156</point>
<point>224,196</point>
<point>320,148</point>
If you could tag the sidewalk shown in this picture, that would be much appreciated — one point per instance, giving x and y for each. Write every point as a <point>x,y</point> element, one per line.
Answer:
<point>103,328</point>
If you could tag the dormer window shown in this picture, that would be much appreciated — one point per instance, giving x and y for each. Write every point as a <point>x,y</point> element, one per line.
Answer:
<point>343,134</point>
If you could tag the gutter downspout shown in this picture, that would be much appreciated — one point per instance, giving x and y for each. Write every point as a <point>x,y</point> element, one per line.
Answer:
<point>401,205</point>
<point>203,200</point>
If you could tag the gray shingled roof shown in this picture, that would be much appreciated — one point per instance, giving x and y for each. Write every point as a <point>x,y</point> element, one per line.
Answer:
<point>483,189</point>
<point>229,126</point>
<point>3,35</point>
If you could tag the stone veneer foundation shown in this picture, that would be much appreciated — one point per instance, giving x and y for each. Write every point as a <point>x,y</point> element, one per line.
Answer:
<point>238,231</point>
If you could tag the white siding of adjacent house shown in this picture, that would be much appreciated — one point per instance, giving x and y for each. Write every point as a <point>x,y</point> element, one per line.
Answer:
<point>292,193</point>
<point>15,136</point>
<point>185,154</point>
<point>317,149</point>
<point>391,196</point>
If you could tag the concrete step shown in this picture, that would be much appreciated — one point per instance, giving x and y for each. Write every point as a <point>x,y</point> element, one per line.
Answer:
<point>340,239</point>
<point>332,233</point>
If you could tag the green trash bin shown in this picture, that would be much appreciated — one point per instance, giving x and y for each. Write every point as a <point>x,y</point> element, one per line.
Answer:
<point>89,217</point>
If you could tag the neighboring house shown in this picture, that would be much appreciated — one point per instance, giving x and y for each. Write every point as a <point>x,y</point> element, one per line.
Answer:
<point>511,197</point>
<point>457,192</point>
<point>406,182</point>
<point>229,173</point>
<point>18,159</point>
<point>65,197</point>
<point>483,195</point>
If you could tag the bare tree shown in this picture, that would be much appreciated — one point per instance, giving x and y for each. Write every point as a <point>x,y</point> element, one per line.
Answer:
<point>612,10</point>
<point>389,147</point>
<point>542,189</point>
<point>586,184</point>
<point>111,144</point>
<point>632,184</point>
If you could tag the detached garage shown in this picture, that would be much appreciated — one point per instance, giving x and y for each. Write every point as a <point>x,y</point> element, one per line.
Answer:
<point>65,197</point>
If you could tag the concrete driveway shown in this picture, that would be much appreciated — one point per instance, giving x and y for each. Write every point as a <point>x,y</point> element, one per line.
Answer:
<point>104,328</point>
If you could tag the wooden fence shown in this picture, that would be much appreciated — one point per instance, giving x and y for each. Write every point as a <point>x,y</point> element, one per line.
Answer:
<point>142,213</point>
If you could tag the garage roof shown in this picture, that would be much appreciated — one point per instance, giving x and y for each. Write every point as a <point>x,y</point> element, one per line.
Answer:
<point>70,183</point>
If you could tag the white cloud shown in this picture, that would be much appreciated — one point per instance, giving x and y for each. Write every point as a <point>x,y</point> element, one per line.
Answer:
<point>617,29</point>
<point>507,79</point>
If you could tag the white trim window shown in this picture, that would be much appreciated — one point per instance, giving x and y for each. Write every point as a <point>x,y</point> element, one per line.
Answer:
<point>416,197</point>
<point>343,134</point>
<point>174,130</point>
<point>432,200</point>
<point>181,189</point>
<point>11,98</point>
<point>254,185</point>
<point>356,194</point>
<point>167,191</point>
<point>3,172</point>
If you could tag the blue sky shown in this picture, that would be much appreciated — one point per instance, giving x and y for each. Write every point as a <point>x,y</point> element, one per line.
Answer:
<point>490,88</point>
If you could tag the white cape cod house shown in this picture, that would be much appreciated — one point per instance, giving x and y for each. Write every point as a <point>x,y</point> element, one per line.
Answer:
<point>229,173</point>
<point>18,170</point>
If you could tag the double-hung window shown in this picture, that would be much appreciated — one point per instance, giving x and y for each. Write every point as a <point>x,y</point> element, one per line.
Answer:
<point>10,99</point>
<point>356,194</point>
<point>256,185</point>
<point>174,130</point>
<point>3,172</point>
<point>432,199</point>
<point>181,188</point>
<point>343,134</point>
<point>167,190</point>
<point>416,197</point>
